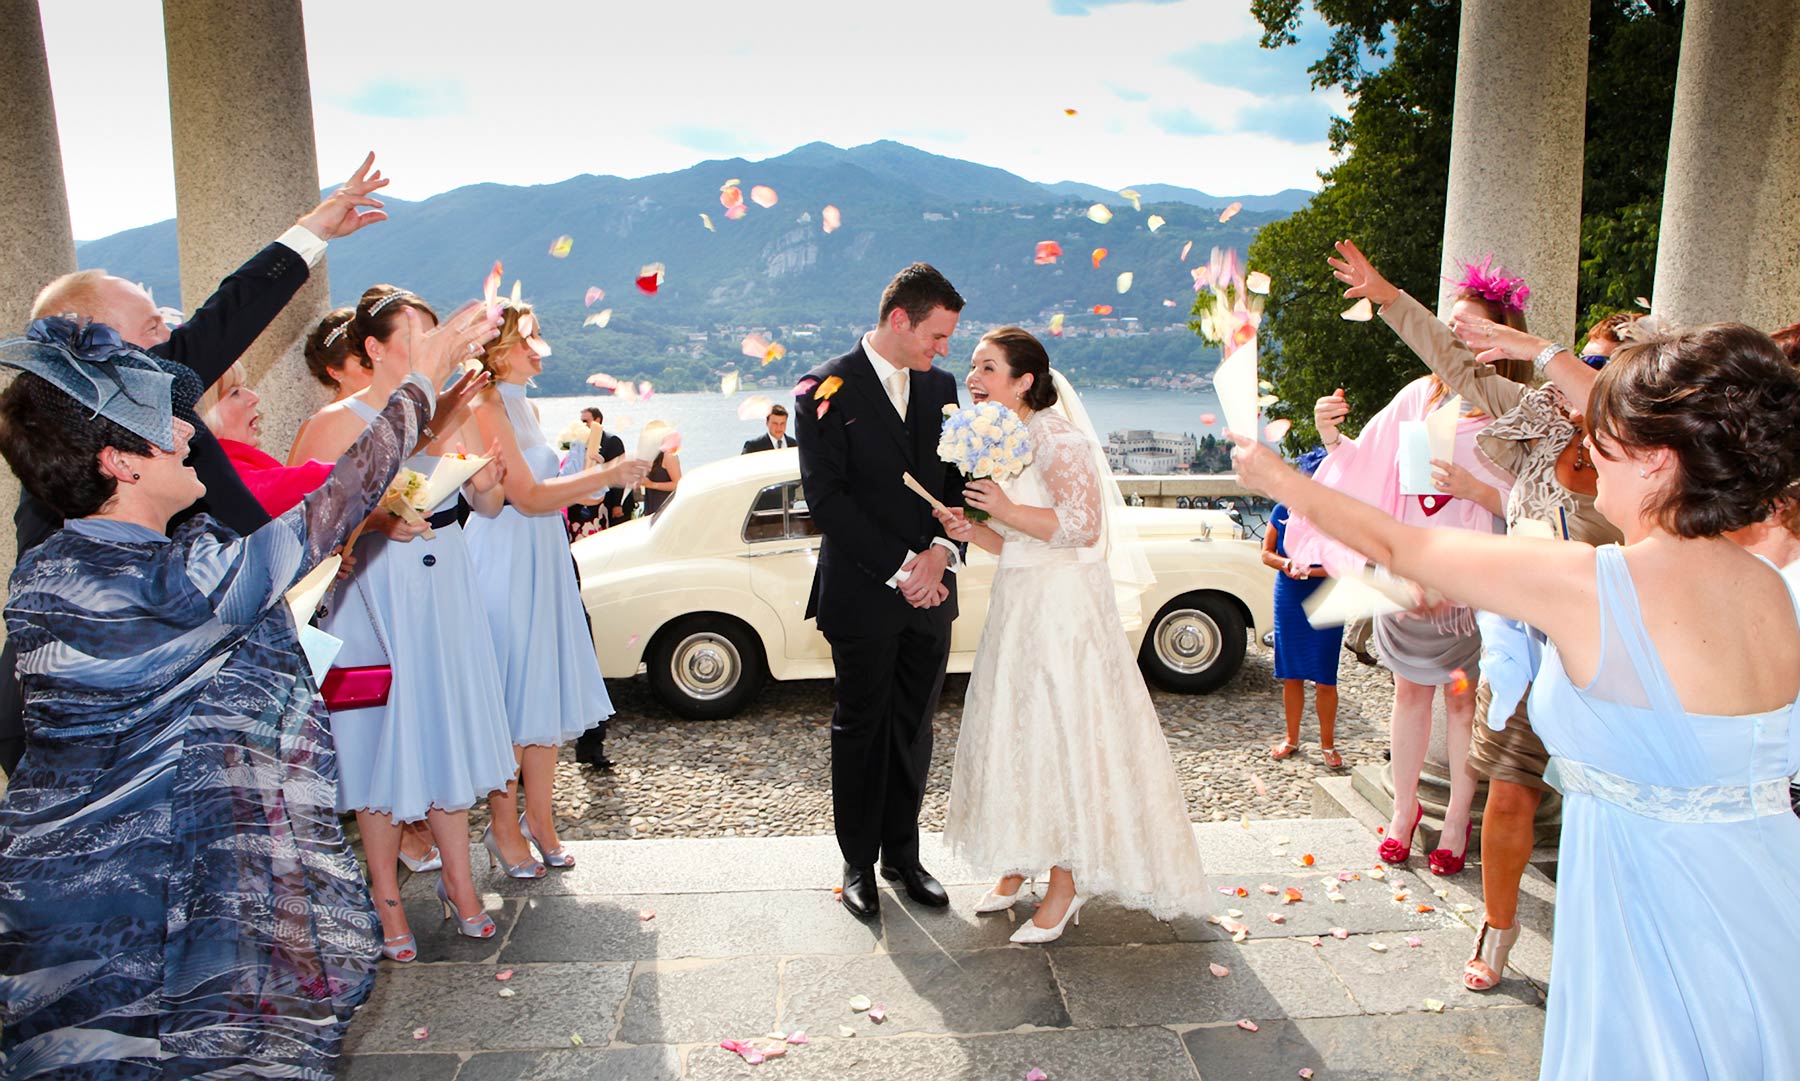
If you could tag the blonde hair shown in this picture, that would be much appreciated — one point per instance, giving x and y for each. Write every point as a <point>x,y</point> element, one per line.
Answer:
<point>502,346</point>
<point>234,377</point>
<point>77,292</point>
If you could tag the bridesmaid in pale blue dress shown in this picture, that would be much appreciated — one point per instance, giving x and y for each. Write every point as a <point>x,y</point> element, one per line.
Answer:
<point>552,684</point>
<point>440,741</point>
<point>1669,698</point>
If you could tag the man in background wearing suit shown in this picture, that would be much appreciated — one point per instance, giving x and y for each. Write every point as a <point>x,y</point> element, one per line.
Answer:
<point>880,591</point>
<point>604,447</point>
<point>197,353</point>
<point>777,437</point>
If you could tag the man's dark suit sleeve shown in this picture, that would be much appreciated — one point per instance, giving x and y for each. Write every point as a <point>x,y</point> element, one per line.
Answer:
<point>823,457</point>
<point>750,447</point>
<point>239,310</point>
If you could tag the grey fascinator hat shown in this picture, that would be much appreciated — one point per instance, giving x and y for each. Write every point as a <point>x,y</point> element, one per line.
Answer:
<point>101,371</point>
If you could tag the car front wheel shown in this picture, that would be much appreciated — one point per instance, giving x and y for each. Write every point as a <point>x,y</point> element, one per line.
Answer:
<point>706,666</point>
<point>1195,644</point>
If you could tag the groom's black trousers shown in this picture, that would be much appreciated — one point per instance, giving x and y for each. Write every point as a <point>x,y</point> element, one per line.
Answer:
<point>887,690</point>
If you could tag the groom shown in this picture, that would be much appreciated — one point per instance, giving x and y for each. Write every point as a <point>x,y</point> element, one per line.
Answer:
<point>881,593</point>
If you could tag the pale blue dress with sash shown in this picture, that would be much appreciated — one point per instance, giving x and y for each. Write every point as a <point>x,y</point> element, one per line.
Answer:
<point>441,741</point>
<point>1677,938</point>
<point>550,676</point>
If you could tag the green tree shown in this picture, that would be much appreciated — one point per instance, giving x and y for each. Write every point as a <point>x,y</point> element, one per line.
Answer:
<point>1397,64</point>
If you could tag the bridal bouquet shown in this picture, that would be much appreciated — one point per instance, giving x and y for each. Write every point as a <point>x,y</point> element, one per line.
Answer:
<point>986,442</point>
<point>405,496</point>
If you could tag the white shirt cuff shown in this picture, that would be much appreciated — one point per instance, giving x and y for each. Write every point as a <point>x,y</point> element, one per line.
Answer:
<point>949,545</point>
<point>304,244</point>
<point>902,574</point>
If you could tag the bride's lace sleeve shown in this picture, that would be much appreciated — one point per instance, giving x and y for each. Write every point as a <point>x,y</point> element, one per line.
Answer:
<point>1066,462</point>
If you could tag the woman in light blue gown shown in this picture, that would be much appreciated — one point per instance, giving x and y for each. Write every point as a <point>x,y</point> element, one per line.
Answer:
<point>439,743</point>
<point>549,673</point>
<point>1667,697</point>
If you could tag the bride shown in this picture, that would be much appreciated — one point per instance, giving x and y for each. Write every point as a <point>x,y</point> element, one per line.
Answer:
<point>1061,762</point>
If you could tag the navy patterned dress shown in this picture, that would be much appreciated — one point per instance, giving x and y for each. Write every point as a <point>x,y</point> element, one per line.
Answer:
<point>176,897</point>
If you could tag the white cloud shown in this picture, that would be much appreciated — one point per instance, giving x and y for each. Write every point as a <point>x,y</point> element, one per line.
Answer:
<point>535,91</point>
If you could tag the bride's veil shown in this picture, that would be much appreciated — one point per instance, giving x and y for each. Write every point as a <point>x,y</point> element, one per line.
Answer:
<point>1120,548</point>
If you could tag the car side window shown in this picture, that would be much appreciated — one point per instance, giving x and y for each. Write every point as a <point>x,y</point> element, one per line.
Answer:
<point>779,512</point>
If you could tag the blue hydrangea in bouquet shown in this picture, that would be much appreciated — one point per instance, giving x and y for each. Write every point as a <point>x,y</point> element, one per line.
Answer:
<point>986,441</point>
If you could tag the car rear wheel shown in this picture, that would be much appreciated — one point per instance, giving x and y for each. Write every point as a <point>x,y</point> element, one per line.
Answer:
<point>1195,644</point>
<point>706,666</point>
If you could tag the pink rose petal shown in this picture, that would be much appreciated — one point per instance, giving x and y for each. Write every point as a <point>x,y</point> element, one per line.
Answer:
<point>831,219</point>
<point>1035,1074</point>
<point>764,196</point>
<point>1339,933</point>
<point>799,1039</point>
<point>594,293</point>
<point>1248,1025</point>
<point>1414,941</point>
<point>648,914</point>
<point>878,1013</point>
<point>503,975</point>
<point>1277,430</point>
<point>421,1032</point>
<point>1219,971</point>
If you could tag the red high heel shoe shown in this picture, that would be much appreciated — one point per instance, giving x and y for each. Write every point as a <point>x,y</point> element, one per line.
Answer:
<point>1444,862</point>
<point>1397,852</point>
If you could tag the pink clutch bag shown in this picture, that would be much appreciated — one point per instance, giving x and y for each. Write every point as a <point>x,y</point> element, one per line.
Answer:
<point>357,688</point>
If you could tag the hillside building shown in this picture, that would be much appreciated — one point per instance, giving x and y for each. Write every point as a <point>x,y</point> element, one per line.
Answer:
<point>1145,452</point>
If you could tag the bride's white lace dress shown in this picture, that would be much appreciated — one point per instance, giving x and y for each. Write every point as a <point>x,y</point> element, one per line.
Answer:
<point>1061,759</point>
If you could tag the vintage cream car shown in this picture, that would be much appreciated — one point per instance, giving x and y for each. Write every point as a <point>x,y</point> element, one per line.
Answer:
<point>709,594</point>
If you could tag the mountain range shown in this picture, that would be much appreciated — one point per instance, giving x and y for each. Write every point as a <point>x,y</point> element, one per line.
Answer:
<point>775,268</point>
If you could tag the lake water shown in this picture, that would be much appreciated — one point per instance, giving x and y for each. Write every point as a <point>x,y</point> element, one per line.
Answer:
<point>711,430</point>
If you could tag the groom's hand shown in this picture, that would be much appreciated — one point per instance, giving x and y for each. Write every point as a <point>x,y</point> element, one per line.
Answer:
<point>924,576</point>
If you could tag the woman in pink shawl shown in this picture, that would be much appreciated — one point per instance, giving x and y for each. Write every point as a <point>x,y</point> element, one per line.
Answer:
<point>1430,647</point>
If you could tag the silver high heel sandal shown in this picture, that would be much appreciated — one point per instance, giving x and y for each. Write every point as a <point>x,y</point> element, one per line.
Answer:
<point>1491,949</point>
<point>1030,933</point>
<point>480,925</point>
<point>525,868</point>
<point>433,861</point>
<point>1000,902</point>
<point>557,857</point>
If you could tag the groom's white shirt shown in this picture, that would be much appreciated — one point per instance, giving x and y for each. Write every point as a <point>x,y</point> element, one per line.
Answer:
<point>883,372</point>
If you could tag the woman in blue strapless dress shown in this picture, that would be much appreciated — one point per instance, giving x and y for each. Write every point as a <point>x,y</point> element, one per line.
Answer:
<point>550,676</point>
<point>440,742</point>
<point>1669,699</point>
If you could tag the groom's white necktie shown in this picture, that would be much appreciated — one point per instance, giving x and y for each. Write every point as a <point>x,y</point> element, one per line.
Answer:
<point>897,386</point>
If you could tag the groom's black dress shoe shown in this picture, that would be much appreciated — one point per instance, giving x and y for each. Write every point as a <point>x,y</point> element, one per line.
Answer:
<point>920,886</point>
<point>860,895</point>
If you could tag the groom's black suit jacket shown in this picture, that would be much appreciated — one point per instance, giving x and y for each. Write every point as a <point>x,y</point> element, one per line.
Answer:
<point>209,342</point>
<point>850,464</point>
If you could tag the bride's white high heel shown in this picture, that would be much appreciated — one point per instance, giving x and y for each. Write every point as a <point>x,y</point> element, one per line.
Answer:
<point>1000,902</point>
<point>1030,933</point>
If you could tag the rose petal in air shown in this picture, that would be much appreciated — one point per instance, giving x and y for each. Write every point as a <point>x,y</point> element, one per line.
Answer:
<point>728,383</point>
<point>1103,309</point>
<point>1230,212</point>
<point>1167,303</point>
<point>1185,248</point>
<point>1129,193</point>
<point>754,345</point>
<point>602,381</point>
<point>598,319</point>
<point>755,407</point>
<point>1276,431</point>
<point>594,293</point>
<point>645,390</point>
<point>538,346</point>
<point>561,247</point>
<point>1048,251</point>
<point>706,220</point>
<point>773,353</point>
<point>764,196</point>
<point>735,212</point>
<point>828,387</point>
<point>1208,418</point>
<point>1099,256</point>
<point>1124,282</point>
<point>731,196</point>
<point>1257,282</point>
<point>831,219</point>
<point>650,277</point>
<point>1154,221</point>
<point>1644,303</point>
<point>1068,112</point>
<point>1099,214</point>
<point>1360,312</point>
<point>804,386</point>
<point>490,290</point>
<point>1056,325</point>
<point>518,292</point>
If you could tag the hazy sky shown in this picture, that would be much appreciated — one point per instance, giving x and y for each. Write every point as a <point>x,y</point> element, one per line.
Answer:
<point>529,91</point>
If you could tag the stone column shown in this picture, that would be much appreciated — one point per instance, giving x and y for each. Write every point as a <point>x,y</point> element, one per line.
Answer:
<point>36,243</point>
<point>240,106</point>
<point>1729,247</point>
<point>1516,150</point>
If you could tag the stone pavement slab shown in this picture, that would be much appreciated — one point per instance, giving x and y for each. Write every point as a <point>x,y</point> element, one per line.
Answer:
<point>1485,1045</point>
<point>748,938</point>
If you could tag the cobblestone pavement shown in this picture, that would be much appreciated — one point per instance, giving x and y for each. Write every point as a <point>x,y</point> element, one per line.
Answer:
<point>767,773</point>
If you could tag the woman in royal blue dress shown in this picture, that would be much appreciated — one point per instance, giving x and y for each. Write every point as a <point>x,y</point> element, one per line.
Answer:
<point>551,677</point>
<point>176,896</point>
<point>1668,698</point>
<point>1302,652</point>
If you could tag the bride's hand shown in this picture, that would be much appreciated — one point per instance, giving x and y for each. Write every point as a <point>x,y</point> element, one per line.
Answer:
<point>956,525</point>
<point>986,495</point>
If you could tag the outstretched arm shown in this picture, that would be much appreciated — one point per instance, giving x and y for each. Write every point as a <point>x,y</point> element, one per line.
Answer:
<point>1548,584</point>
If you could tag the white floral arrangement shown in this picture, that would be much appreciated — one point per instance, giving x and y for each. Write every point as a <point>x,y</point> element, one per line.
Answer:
<point>404,494</point>
<point>986,441</point>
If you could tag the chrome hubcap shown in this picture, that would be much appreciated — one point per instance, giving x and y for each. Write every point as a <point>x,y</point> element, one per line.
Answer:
<point>1187,641</point>
<point>706,665</point>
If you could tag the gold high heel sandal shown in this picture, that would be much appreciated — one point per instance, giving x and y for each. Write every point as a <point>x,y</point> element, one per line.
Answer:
<point>1484,971</point>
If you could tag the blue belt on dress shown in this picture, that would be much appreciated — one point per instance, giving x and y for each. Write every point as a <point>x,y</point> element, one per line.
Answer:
<point>1667,803</point>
